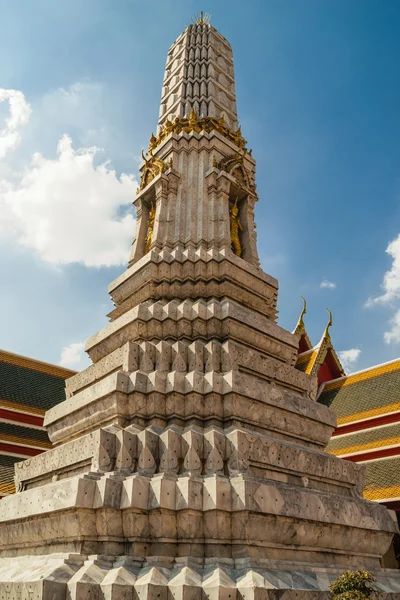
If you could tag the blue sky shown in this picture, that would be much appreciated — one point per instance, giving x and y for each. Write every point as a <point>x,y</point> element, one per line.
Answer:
<point>318,96</point>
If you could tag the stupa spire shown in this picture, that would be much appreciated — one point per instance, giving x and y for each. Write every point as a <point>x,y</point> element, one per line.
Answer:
<point>199,75</point>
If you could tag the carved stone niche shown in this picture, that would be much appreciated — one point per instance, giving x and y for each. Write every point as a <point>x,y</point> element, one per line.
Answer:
<point>143,204</point>
<point>247,235</point>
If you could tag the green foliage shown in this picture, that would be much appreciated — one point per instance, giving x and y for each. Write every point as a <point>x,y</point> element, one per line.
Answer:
<point>354,585</point>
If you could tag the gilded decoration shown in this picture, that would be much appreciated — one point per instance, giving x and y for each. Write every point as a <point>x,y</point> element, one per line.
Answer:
<point>201,18</point>
<point>153,167</point>
<point>234,165</point>
<point>300,327</point>
<point>150,228</point>
<point>322,350</point>
<point>236,228</point>
<point>194,123</point>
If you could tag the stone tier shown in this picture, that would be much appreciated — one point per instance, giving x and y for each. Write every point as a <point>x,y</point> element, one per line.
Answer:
<point>165,382</point>
<point>181,515</point>
<point>193,273</point>
<point>100,577</point>
<point>195,320</point>
<point>194,451</point>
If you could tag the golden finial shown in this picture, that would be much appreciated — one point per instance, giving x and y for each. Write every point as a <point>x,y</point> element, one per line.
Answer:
<point>214,161</point>
<point>303,312</point>
<point>300,327</point>
<point>201,18</point>
<point>329,325</point>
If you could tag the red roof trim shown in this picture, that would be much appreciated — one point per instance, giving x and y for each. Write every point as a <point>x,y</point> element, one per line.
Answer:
<point>19,417</point>
<point>16,450</point>
<point>372,455</point>
<point>367,424</point>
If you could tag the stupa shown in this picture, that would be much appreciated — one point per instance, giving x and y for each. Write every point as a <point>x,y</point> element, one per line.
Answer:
<point>189,457</point>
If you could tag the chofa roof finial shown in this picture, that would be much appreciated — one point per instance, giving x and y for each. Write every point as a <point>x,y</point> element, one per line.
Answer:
<point>329,325</point>
<point>300,327</point>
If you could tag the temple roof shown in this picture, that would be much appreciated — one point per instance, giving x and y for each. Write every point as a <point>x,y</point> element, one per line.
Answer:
<point>368,412</point>
<point>365,394</point>
<point>320,360</point>
<point>31,383</point>
<point>28,387</point>
<point>366,439</point>
<point>382,480</point>
<point>7,463</point>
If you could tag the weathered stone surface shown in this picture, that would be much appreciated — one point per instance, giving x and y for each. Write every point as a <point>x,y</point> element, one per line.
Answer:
<point>189,458</point>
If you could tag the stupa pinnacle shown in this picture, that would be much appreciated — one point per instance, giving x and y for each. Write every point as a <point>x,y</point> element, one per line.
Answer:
<point>189,457</point>
<point>199,76</point>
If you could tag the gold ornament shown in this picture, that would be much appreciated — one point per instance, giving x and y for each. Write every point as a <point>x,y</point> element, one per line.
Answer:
<point>201,19</point>
<point>236,228</point>
<point>150,227</point>
<point>152,143</point>
<point>153,167</point>
<point>194,123</point>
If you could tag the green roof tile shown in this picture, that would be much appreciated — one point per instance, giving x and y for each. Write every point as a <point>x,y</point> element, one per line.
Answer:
<point>370,436</point>
<point>361,396</point>
<point>32,388</point>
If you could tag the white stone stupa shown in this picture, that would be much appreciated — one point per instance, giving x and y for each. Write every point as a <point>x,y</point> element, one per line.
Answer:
<point>189,458</point>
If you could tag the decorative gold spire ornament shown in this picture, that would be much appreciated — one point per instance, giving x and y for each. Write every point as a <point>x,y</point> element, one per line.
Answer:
<point>201,18</point>
<point>236,228</point>
<point>152,143</point>
<point>300,327</point>
<point>194,123</point>
<point>150,227</point>
<point>326,335</point>
<point>153,167</point>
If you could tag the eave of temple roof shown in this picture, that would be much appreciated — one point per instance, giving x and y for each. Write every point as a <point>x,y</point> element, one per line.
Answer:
<point>365,440</point>
<point>305,360</point>
<point>35,365</point>
<point>382,480</point>
<point>31,383</point>
<point>364,395</point>
<point>7,463</point>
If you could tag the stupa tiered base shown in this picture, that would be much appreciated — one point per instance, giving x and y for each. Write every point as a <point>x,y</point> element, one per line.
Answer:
<point>189,457</point>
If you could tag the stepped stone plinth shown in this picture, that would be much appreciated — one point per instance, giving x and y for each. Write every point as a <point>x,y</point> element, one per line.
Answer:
<point>188,459</point>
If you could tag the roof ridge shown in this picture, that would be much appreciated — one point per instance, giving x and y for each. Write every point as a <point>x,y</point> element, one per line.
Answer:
<point>35,365</point>
<point>306,352</point>
<point>334,382</point>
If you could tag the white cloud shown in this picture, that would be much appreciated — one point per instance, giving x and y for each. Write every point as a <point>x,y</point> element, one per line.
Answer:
<point>349,358</point>
<point>74,357</point>
<point>391,292</point>
<point>68,209</point>
<point>393,336</point>
<point>391,279</point>
<point>325,283</point>
<point>19,113</point>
